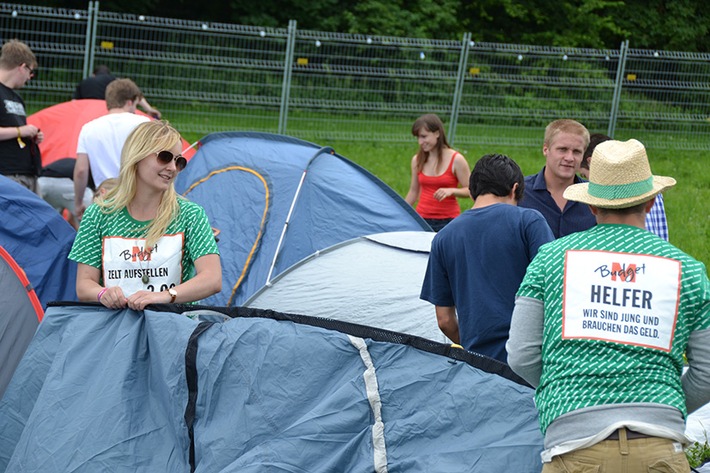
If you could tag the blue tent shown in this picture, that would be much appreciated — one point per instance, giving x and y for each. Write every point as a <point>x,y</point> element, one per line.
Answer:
<point>277,199</point>
<point>39,239</point>
<point>125,391</point>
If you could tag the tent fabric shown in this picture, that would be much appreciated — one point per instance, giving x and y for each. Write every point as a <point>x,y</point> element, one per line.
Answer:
<point>61,124</point>
<point>372,280</point>
<point>19,318</point>
<point>39,240</point>
<point>104,390</point>
<point>252,184</point>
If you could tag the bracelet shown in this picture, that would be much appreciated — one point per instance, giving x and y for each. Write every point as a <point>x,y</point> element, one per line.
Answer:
<point>101,293</point>
<point>20,143</point>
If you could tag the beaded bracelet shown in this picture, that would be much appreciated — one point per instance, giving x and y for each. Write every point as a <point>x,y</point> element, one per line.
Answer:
<point>101,293</point>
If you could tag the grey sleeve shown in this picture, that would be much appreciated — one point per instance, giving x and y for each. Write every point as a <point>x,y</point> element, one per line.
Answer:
<point>524,345</point>
<point>696,380</point>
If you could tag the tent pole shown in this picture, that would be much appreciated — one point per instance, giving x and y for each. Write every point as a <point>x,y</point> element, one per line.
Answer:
<point>192,146</point>
<point>325,149</point>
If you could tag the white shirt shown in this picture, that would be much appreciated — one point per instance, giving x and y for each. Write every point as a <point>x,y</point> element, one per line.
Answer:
<point>102,140</point>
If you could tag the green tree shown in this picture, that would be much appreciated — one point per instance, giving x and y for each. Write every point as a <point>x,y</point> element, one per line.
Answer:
<point>680,25</point>
<point>144,7</point>
<point>674,25</point>
<point>412,18</point>
<point>577,23</point>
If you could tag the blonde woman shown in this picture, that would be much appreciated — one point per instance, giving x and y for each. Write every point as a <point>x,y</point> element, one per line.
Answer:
<point>143,243</point>
<point>439,174</point>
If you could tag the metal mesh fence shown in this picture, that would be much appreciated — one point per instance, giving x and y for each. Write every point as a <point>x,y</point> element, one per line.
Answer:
<point>665,99</point>
<point>362,87</point>
<point>513,91</point>
<point>204,77</point>
<point>58,37</point>
<point>208,77</point>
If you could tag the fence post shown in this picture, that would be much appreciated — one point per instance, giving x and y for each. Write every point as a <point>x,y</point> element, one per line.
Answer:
<point>286,86</point>
<point>90,39</point>
<point>458,91</point>
<point>620,70</point>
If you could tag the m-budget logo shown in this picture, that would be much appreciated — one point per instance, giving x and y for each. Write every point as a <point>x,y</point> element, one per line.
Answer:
<point>621,271</point>
<point>138,253</point>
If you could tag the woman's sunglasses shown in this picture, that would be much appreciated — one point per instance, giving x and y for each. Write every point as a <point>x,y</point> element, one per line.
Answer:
<point>166,157</point>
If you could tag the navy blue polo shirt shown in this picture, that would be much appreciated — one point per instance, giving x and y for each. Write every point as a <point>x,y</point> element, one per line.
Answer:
<point>575,217</point>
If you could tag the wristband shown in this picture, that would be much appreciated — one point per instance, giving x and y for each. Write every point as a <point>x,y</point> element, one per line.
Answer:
<point>101,293</point>
<point>20,143</point>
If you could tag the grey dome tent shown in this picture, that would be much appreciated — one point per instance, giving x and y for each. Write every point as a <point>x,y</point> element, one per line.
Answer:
<point>372,280</point>
<point>20,315</point>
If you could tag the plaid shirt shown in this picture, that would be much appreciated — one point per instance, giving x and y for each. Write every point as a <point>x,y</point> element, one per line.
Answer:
<point>656,219</point>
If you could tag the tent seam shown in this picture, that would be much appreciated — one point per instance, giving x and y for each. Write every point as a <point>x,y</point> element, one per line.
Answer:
<point>373,396</point>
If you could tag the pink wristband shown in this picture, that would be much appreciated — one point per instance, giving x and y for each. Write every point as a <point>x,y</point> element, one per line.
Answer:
<point>101,293</point>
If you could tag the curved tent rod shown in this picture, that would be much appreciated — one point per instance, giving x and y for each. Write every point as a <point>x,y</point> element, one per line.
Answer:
<point>323,150</point>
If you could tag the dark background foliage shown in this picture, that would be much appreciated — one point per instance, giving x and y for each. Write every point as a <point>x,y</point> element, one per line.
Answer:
<point>680,25</point>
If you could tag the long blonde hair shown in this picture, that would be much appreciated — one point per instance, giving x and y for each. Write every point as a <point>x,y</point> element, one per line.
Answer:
<point>146,139</point>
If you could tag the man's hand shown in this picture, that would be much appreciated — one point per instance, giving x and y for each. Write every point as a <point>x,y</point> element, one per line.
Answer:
<point>79,209</point>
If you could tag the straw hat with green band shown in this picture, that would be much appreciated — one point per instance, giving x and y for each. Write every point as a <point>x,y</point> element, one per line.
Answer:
<point>619,177</point>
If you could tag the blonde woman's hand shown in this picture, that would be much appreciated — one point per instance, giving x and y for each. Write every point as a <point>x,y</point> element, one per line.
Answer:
<point>113,298</point>
<point>141,299</point>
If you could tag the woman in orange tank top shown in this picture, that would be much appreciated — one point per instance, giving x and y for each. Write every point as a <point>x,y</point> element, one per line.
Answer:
<point>439,174</point>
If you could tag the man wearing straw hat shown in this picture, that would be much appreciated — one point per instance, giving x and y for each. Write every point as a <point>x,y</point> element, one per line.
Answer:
<point>601,322</point>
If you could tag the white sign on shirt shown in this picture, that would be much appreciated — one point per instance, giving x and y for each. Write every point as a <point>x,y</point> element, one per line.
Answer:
<point>125,261</point>
<point>620,297</point>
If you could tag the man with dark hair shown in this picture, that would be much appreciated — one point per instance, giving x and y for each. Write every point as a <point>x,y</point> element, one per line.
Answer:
<point>94,87</point>
<point>594,140</point>
<point>101,140</point>
<point>478,260</point>
<point>19,154</point>
<point>563,146</point>
<point>601,323</point>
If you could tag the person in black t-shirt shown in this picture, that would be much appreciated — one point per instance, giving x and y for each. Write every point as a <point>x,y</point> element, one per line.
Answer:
<point>94,87</point>
<point>20,159</point>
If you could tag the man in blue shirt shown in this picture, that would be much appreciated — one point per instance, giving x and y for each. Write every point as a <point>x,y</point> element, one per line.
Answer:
<point>563,147</point>
<point>479,259</point>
